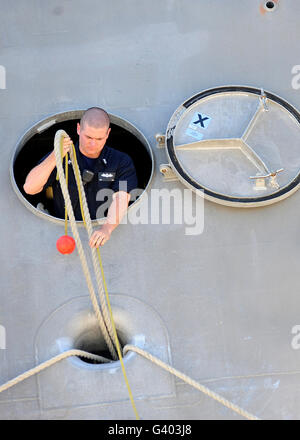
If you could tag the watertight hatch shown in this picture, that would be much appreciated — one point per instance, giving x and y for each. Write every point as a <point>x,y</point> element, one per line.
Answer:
<point>241,145</point>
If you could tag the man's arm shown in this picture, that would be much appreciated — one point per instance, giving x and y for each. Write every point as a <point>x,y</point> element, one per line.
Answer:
<point>38,176</point>
<point>116,212</point>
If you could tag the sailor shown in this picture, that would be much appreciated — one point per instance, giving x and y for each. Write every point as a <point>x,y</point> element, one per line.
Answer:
<point>104,171</point>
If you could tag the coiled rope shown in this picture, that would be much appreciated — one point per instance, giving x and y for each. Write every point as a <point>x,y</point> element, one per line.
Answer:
<point>102,315</point>
<point>105,320</point>
<point>108,329</point>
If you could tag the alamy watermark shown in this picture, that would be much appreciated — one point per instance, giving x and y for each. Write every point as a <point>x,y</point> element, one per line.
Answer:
<point>160,207</point>
<point>2,77</point>
<point>296,339</point>
<point>2,338</point>
<point>296,78</point>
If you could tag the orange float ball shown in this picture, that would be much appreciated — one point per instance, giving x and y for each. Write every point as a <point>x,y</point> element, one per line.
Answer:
<point>65,244</point>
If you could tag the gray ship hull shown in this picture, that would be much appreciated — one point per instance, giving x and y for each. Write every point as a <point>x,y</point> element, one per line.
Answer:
<point>220,305</point>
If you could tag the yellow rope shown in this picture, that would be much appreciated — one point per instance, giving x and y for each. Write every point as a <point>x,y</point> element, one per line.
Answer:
<point>191,382</point>
<point>102,320</point>
<point>78,186</point>
<point>117,344</point>
<point>116,338</point>
<point>67,178</point>
<point>88,225</point>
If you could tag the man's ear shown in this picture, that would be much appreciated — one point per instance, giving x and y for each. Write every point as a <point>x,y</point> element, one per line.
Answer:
<point>108,131</point>
<point>78,128</point>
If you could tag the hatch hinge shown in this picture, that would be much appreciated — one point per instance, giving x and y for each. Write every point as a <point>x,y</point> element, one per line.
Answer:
<point>160,140</point>
<point>263,99</point>
<point>167,172</point>
<point>260,182</point>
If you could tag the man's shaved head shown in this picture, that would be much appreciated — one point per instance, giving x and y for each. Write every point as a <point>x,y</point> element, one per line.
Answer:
<point>95,117</point>
<point>93,131</point>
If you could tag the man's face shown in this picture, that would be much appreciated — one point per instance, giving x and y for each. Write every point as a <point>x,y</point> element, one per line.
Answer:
<point>92,140</point>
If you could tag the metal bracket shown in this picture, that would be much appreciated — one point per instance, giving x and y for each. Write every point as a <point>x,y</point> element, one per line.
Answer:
<point>263,98</point>
<point>167,172</point>
<point>160,139</point>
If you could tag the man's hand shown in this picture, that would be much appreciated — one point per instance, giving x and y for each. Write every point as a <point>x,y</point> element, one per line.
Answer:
<point>115,214</point>
<point>67,143</point>
<point>39,175</point>
<point>101,236</point>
